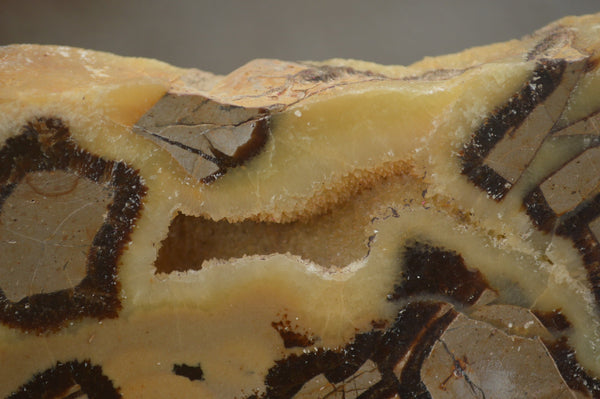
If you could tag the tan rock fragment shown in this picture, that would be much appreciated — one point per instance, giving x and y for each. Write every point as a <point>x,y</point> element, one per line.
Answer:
<point>319,387</point>
<point>474,360</point>
<point>577,181</point>
<point>46,238</point>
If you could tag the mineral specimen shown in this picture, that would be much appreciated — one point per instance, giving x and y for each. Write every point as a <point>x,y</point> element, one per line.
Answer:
<point>334,229</point>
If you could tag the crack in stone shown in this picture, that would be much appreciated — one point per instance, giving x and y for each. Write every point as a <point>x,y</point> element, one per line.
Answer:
<point>211,126</point>
<point>193,150</point>
<point>458,369</point>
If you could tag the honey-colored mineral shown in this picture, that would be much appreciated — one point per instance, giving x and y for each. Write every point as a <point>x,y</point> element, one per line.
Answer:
<point>334,229</point>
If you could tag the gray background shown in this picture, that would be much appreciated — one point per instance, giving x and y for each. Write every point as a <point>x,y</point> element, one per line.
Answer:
<point>219,36</point>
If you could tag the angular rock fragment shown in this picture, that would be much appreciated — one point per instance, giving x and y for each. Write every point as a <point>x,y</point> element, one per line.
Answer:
<point>474,360</point>
<point>204,136</point>
<point>513,320</point>
<point>324,229</point>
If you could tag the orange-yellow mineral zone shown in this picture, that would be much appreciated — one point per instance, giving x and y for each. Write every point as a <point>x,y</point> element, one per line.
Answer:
<point>302,229</point>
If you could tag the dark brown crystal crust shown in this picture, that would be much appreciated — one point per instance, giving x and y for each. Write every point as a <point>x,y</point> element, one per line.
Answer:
<point>192,373</point>
<point>46,145</point>
<point>574,375</point>
<point>438,272</point>
<point>291,338</point>
<point>539,211</point>
<point>577,228</point>
<point>554,321</point>
<point>68,380</point>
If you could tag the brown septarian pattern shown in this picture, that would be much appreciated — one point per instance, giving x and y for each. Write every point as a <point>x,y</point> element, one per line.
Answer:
<point>431,350</point>
<point>567,203</point>
<point>72,379</point>
<point>206,137</point>
<point>383,363</point>
<point>45,147</point>
<point>507,141</point>
<point>393,360</point>
<point>562,194</point>
<point>438,272</point>
<point>565,199</point>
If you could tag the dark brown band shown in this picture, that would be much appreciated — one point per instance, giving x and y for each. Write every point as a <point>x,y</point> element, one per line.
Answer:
<point>46,145</point>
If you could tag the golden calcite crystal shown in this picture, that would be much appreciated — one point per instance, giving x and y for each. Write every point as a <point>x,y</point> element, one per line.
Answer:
<point>301,229</point>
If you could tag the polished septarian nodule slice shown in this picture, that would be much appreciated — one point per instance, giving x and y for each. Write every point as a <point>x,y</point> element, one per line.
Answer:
<point>298,230</point>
